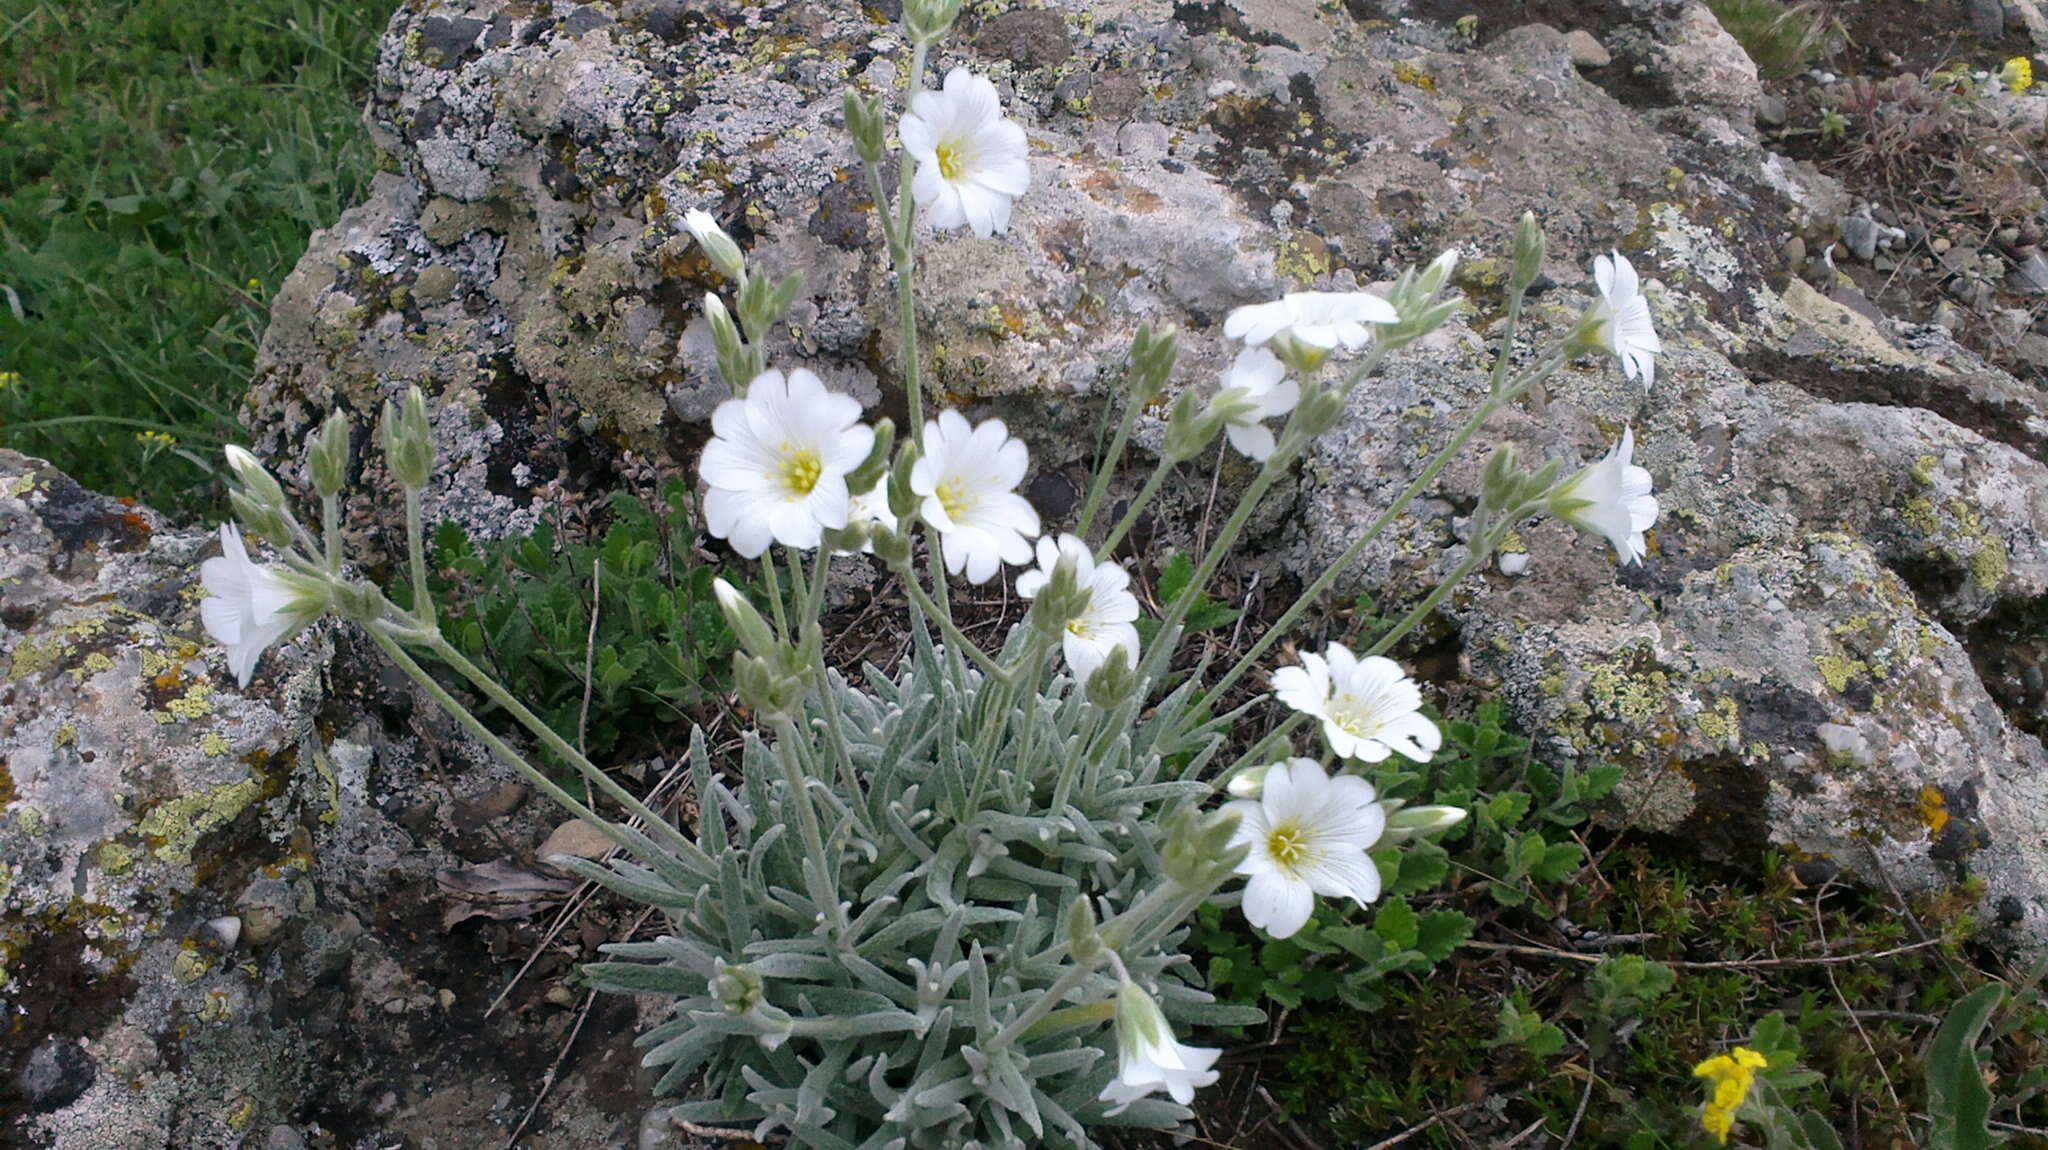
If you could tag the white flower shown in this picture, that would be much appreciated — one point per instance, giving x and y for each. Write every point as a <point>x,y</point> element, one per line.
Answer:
<point>249,606</point>
<point>1370,708</point>
<point>1267,392</point>
<point>1148,1057</point>
<point>1106,623</point>
<point>968,476</point>
<point>777,462</point>
<point>1611,498</point>
<point>1308,834</point>
<point>1622,318</point>
<point>970,160</point>
<point>1317,318</point>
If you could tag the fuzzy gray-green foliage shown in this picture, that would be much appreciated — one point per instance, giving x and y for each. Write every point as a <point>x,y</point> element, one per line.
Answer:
<point>957,910</point>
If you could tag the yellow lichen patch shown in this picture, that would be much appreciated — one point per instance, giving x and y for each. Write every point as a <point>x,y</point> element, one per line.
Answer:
<point>1303,258</point>
<point>1933,810</point>
<point>194,703</point>
<point>34,656</point>
<point>1837,670</point>
<point>217,1008</point>
<point>1413,75</point>
<point>190,966</point>
<point>214,743</point>
<point>93,664</point>
<point>1723,724</point>
<point>116,858</point>
<point>174,827</point>
<point>67,736</point>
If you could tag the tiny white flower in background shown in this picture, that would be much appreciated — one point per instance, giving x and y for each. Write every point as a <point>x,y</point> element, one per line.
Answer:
<point>1317,318</point>
<point>248,606</point>
<point>1108,622</point>
<point>1148,1056</point>
<point>872,508</point>
<point>1308,834</point>
<point>968,476</point>
<point>1622,318</point>
<point>1611,498</point>
<point>1262,378</point>
<point>777,462</point>
<point>1370,708</point>
<point>970,159</point>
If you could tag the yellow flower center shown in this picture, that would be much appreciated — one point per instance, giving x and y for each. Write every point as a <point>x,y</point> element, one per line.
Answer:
<point>1357,721</point>
<point>1287,845</point>
<point>951,163</point>
<point>800,471</point>
<point>954,496</point>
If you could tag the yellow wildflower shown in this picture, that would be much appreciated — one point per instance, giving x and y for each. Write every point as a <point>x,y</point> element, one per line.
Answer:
<point>9,379</point>
<point>156,440</point>
<point>1732,1075</point>
<point>2017,75</point>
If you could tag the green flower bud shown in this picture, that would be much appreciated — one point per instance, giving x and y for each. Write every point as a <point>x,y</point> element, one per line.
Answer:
<point>737,986</point>
<point>1501,485</point>
<point>1319,411</point>
<point>721,249</point>
<point>927,21</point>
<point>1082,940</point>
<point>254,479</point>
<point>862,479</point>
<point>890,546</point>
<point>265,521</point>
<point>408,440</point>
<point>1153,354</point>
<point>1529,251</point>
<point>1305,359</point>
<point>746,623</point>
<point>1059,601</point>
<point>903,502</point>
<point>357,602</point>
<point>865,123</point>
<point>1189,429</point>
<point>1198,855</point>
<point>1413,822</point>
<point>1114,680</point>
<point>765,686</point>
<point>763,304</point>
<point>327,455</point>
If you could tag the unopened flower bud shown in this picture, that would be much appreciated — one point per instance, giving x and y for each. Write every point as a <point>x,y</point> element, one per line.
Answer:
<point>1198,854</point>
<point>327,456</point>
<point>865,123</point>
<point>1153,354</point>
<point>408,440</point>
<point>255,480</point>
<point>1412,822</point>
<point>1430,283</point>
<point>1113,681</point>
<point>1502,481</point>
<point>746,623</point>
<point>889,545</point>
<point>737,986</point>
<point>721,249</point>
<point>266,521</point>
<point>903,502</point>
<point>862,479</point>
<point>1528,253</point>
<point>929,20</point>
<point>1082,941</point>
<point>1304,358</point>
<point>1059,601</point>
<point>356,602</point>
<point>1249,783</point>
<point>764,685</point>
<point>1320,410</point>
<point>1189,429</point>
<point>763,304</point>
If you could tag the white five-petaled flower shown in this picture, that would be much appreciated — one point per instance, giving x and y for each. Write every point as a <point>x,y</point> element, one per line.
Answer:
<point>1149,1058</point>
<point>970,159</point>
<point>1106,623</point>
<point>967,477</point>
<point>1318,318</point>
<point>1260,375</point>
<point>777,462</point>
<point>249,606</point>
<point>1370,708</point>
<point>1622,318</point>
<point>1308,834</point>
<point>1612,498</point>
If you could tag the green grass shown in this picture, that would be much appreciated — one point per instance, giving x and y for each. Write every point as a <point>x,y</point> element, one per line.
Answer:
<point>1781,38</point>
<point>162,164</point>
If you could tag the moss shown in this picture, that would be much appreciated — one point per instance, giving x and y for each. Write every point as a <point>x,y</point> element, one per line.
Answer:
<point>176,826</point>
<point>1837,670</point>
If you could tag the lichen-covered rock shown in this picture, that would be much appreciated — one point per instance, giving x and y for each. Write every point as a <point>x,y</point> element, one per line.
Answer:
<point>523,259</point>
<point>217,906</point>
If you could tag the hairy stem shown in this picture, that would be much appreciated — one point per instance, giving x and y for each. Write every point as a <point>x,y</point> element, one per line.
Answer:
<point>415,542</point>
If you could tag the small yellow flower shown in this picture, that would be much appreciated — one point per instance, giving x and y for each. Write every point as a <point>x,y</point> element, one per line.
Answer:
<point>9,379</point>
<point>257,284</point>
<point>156,440</point>
<point>2017,75</point>
<point>1732,1075</point>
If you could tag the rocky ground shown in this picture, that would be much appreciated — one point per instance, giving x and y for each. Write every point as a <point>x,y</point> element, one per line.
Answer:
<point>226,912</point>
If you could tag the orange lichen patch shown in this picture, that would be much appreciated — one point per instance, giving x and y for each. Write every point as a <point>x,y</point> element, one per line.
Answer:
<point>1105,186</point>
<point>1933,810</point>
